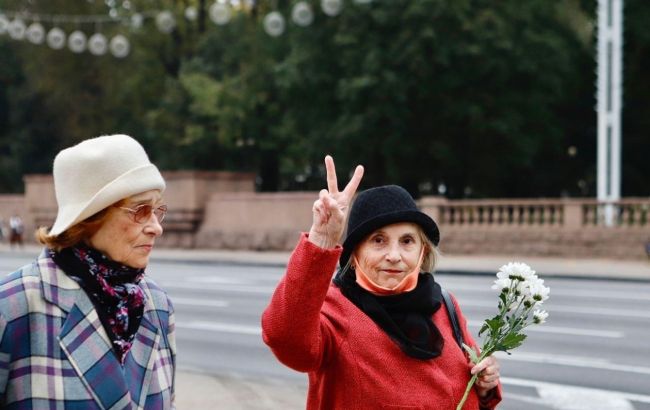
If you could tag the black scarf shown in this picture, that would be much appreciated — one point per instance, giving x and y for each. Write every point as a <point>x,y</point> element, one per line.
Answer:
<point>112,288</point>
<point>405,317</point>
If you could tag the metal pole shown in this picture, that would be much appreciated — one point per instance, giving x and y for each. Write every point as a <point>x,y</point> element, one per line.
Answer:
<point>610,73</point>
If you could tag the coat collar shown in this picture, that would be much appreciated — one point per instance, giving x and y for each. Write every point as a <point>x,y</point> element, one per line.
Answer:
<point>88,347</point>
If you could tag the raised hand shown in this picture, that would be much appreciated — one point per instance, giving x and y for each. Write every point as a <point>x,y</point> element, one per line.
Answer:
<point>331,207</point>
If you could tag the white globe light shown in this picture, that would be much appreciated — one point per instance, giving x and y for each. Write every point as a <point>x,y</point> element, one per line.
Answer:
<point>56,38</point>
<point>136,20</point>
<point>274,24</point>
<point>302,14</point>
<point>35,33</point>
<point>97,44</point>
<point>191,13</point>
<point>220,13</point>
<point>4,24</point>
<point>77,41</point>
<point>120,46</point>
<point>331,7</point>
<point>17,29</point>
<point>165,21</point>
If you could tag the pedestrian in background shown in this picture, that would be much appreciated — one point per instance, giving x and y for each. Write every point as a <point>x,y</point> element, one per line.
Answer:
<point>378,335</point>
<point>16,229</point>
<point>83,327</point>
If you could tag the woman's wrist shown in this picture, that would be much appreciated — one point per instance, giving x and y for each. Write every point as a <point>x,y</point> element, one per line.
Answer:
<point>320,240</point>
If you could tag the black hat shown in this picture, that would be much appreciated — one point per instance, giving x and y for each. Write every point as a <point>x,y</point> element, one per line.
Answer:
<point>381,206</point>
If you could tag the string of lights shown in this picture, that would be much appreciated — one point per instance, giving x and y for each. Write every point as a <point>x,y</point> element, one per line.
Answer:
<point>28,26</point>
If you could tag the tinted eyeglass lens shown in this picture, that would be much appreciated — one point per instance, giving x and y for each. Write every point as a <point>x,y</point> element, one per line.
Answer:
<point>160,212</point>
<point>142,213</point>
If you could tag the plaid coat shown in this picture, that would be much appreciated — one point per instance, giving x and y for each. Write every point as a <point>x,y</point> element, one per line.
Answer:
<point>55,354</point>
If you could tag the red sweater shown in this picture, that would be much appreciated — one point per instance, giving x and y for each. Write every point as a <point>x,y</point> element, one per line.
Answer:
<point>352,364</point>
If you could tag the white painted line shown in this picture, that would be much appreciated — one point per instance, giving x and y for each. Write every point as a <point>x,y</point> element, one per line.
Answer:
<point>221,327</point>
<point>544,388</point>
<point>627,313</point>
<point>584,293</point>
<point>611,334</point>
<point>573,361</point>
<point>266,290</point>
<point>200,302</point>
<point>218,280</point>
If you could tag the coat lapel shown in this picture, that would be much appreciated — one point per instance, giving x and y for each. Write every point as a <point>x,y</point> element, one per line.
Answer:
<point>84,340</point>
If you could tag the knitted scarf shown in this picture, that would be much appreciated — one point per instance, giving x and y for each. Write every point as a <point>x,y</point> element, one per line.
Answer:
<point>405,317</point>
<point>112,288</point>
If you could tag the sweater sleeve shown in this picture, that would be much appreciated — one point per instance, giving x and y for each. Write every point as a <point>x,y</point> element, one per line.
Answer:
<point>490,401</point>
<point>292,324</point>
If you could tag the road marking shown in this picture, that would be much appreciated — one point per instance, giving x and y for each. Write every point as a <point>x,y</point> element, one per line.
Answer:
<point>564,330</point>
<point>218,280</point>
<point>574,361</point>
<point>200,302</point>
<point>564,397</point>
<point>221,327</point>
<point>265,290</point>
<point>627,313</point>
<point>583,293</point>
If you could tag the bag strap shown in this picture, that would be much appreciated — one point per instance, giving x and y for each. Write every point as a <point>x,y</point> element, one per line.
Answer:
<point>453,317</point>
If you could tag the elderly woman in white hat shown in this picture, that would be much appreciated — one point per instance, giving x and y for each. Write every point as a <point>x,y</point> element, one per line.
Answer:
<point>382,334</point>
<point>83,327</point>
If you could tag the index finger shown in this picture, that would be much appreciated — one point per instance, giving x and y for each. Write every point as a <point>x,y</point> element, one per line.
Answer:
<point>352,186</point>
<point>332,184</point>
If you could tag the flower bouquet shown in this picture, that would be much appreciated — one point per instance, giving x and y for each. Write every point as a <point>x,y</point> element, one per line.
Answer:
<point>521,295</point>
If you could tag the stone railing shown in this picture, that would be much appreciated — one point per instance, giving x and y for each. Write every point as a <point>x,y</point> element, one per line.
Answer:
<point>561,227</point>
<point>567,213</point>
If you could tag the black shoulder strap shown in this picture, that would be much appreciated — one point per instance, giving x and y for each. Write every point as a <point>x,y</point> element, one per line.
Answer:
<point>453,317</point>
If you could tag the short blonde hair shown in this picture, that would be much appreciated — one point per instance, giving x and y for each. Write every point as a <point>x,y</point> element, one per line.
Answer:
<point>77,233</point>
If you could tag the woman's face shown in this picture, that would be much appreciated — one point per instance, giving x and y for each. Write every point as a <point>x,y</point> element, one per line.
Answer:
<point>122,239</point>
<point>390,253</point>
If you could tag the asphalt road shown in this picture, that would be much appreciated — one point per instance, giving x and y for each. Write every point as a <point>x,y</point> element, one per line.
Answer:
<point>593,353</point>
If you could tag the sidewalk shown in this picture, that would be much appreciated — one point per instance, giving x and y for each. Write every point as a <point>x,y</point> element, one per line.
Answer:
<point>196,390</point>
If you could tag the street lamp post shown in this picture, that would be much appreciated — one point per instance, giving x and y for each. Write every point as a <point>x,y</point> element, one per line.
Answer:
<point>610,81</point>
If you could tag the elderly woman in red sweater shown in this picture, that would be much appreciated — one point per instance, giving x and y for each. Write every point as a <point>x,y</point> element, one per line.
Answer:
<point>378,336</point>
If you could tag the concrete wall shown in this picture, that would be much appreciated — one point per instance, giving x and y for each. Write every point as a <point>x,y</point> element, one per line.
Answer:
<point>221,210</point>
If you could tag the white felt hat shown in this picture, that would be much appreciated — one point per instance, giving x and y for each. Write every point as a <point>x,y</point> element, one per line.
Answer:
<point>97,173</point>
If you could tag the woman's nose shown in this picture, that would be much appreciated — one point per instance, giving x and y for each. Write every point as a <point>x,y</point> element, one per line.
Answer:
<point>153,226</point>
<point>393,255</point>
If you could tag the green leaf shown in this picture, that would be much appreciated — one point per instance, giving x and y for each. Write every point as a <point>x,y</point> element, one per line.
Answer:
<point>511,341</point>
<point>472,354</point>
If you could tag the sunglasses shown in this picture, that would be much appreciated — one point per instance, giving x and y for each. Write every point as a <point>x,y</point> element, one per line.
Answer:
<point>142,213</point>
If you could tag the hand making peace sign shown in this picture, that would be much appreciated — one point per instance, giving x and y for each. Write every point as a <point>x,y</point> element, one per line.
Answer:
<point>331,207</point>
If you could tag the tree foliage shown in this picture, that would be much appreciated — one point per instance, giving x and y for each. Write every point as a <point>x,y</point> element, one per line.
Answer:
<point>488,99</point>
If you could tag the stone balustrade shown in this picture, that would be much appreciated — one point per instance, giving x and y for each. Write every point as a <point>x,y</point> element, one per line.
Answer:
<point>221,210</point>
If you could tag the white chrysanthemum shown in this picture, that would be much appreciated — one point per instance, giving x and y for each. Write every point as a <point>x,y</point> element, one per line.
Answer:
<point>302,14</point>
<point>538,291</point>
<point>274,24</point>
<point>35,33</point>
<point>97,44</point>
<point>77,41</point>
<point>56,38</point>
<point>516,270</point>
<point>16,29</point>
<point>120,46</point>
<point>331,7</point>
<point>4,24</point>
<point>220,14</point>
<point>165,21</point>
<point>539,316</point>
<point>502,284</point>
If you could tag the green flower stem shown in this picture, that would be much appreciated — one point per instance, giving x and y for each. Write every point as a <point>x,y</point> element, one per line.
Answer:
<point>467,389</point>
